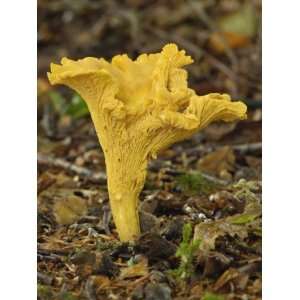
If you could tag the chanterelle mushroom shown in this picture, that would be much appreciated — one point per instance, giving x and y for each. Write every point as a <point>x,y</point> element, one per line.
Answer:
<point>138,108</point>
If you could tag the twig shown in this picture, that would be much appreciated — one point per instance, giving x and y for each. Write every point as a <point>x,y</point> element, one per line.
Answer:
<point>52,257</point>
<point>214,179</point>
<point>52,252</point>
<point>97,177</point>
<point>89,290</point>
<point>248,148</point>
<point>243,148</point>
<point>221,66</point>
<point>210,178</point>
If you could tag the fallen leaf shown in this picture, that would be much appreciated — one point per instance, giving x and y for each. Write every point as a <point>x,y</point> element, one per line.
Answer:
<point>227,276</point>
<point>216,131</point>
<point>208,232</point>
<point>101,282</point>
<point>235,29</point>
<point>233,276</point>
<point>217,162</point>
<point>69,210</point>
<point>219,40</point>
<point>137,270</point>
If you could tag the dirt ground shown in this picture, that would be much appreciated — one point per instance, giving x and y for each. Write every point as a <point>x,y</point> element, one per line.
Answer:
<point>200,208</point>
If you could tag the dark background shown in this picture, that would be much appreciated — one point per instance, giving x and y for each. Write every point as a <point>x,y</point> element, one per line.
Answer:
<point>79,28</point>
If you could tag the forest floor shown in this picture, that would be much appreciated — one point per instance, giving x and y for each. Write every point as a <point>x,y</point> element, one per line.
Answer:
<point>200,209</point>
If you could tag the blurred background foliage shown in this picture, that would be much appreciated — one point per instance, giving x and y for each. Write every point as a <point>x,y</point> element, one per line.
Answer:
<point>223,37</point>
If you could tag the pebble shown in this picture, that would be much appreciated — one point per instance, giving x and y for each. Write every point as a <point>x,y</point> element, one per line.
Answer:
<point>157,291</point>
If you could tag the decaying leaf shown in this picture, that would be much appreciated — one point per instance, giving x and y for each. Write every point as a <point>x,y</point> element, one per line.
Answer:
<point>218,130</point>
<point>216,162</point>
<point>236,225</point>
<point>100,281</point>
<point>236,29</point>
<point>218,40</point>
<point>208,232</point>
<point>68,210</point>
<point>238,278</point>
<point>137,270</point>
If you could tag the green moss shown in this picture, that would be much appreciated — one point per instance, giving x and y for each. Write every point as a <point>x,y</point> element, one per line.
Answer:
<point>211,296</point>
<point>195,183</point>
<point>44,292</point>
<point>107,245</point>
<point>185,252</point>
<point>66,296</point>
<point>243,219</point>
<point>75,107</point>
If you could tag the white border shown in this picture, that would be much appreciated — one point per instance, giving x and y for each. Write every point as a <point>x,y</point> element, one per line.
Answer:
<point>18,149</point>
<point>281,151</point>
<point>281,155</point>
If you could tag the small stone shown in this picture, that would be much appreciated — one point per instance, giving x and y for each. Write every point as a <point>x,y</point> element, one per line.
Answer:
<point>157,291</point>
<point>187,209</point>
<point>148,222</point>
<point>201,216</point>
<point>155,247</point>
<point>149,205</point>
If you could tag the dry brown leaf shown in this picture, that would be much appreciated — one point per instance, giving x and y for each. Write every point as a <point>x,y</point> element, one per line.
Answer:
<point>138,270</point>
<point>216,163</point>
<point>217,131</point>
<point>236,225</point>
<point>69,210</point>
<point>101,282</point>
<point>218,41</point>
<point>209,232</point>
<point>227,276</point>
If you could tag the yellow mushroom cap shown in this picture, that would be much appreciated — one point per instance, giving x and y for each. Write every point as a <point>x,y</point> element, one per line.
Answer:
<point>153,85</point>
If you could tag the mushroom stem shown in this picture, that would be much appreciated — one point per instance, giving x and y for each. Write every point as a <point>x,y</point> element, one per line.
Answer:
<point>126,178</point>
<point>125,215</point>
